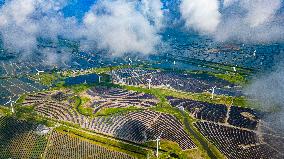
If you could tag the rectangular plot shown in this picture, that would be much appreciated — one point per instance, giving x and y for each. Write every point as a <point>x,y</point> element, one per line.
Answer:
<point>2,72</point>
<point>4,68</point>
<point>3,101</point>
<point>15,90</point>
<point>14,81</point>
<point>9,68</point>
<point>28,88</point>
<point>4,92</point>
<point>5,83</point>
<point>25,80</point>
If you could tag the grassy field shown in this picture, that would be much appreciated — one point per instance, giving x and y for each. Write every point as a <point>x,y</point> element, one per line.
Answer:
<point>4,111</point>
<point>47,78</point>
<point>80,105</point>
<point>101,70</point>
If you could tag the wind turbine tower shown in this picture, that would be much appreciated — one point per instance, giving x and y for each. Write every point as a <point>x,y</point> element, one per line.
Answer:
<point>12,108</point>
<point>149,83</point>
<point>158,145</point>
<point>11,105</point>
<point>213,91</point>
<point>130,61</point>
<point>99,79</point>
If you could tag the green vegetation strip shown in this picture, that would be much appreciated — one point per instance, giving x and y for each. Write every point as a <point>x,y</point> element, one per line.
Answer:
<point>101,70</point>
<point>211,150</point>
<point>79,104</point>
<point>232,77</point>
<point>204,97</point>
<point>47,78</point>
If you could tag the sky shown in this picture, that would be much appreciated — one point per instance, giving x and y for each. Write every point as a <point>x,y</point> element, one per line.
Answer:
<point>78,8</point>
<point>130,26</point>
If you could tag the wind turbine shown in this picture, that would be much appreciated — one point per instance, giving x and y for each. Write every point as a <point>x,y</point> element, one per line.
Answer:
<point>38,72</point>
<point>158,144</point>
<point>174,65</point>
<point>99,79</point>
<point>213,91</point>
<point>8,101</point>
<point>12,108</point>
<point>149,82</point>
<point>11,104</point>
<point>130,61</point>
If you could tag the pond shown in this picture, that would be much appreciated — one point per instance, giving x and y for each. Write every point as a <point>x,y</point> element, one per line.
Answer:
<point>88,79</point>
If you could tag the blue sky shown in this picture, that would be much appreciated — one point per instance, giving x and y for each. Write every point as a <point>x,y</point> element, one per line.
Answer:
<point>78,8</point>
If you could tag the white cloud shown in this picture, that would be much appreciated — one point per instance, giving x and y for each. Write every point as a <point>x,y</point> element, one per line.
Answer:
<point>23,21</point>
<point>119,27</point>
<point>227,3</point>
<point>201,15</point>
<point>123,28</point>
<point>153,10</point>
<point>241,20</point>
<point>258,21</point>
<point>52,57</point>
<point>16,29</point>
<point>260,11</point>
<point>268,90</point>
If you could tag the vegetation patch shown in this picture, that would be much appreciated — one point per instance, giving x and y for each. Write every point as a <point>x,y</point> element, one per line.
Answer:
<point>47,79</point>
<point>80,105</point>
<point>203,97</point>
<point>235,78</point>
